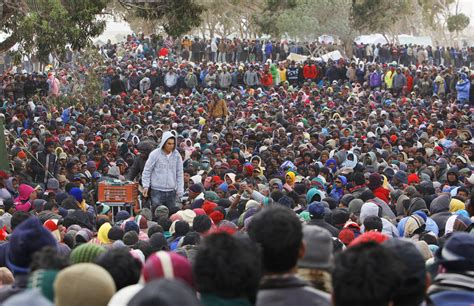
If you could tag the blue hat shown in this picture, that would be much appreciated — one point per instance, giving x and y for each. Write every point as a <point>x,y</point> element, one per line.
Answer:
<point>76,193</point>
<point>29,237</point>
<point>122,215</point>
<point>458,252</point>
<point>131,226</point>
<point>316,209</point>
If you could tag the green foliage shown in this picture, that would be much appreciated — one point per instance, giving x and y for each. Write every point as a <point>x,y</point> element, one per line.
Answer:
<point>176,17</point>
<point>48,26</point>
<point>457,23</point>
<point>378,15</point>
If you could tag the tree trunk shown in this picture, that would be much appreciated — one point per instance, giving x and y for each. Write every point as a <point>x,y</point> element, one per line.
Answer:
<point>7,44</point>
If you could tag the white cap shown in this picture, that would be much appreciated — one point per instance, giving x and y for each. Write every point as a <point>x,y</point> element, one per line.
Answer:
<point>80,142</point>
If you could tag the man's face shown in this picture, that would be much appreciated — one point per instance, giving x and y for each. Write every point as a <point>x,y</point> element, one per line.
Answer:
<point>169,145</point>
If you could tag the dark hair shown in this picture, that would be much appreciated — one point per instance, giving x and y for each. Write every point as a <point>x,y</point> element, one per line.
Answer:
<point>191,238</point>
<point>359,178</point>
<point>158,242</point>
<point>366,195</point>
<point>365,275</point>
<point>48,258</point>
<point>122,266</point>
<point>373,223</point>
<point>165,223</point>
<point>18,217</point>
<point>228,266</point>
<point>154,229</point>
<point>144,246</point>
<point>279,232</point>
<point>181,228</point>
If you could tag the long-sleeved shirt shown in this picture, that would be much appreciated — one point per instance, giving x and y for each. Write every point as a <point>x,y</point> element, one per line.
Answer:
<point>164,172</point>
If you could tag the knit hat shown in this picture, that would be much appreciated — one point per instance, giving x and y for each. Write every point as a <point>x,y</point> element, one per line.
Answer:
<point>52,226</point>
<point>27,298</point>
<point>355,206</point>
<point>196,188</point>
<point>19,253</point>
<point>414,225</point>
<point>165,292</point>
<point>131,226</point>
<point>376,237</point>
<point>319,248</point>
<point>76,193</point>
<point>124,295</point>
<point>43,281</point>
<point>53,184</point>
<point>83,284</point>
<point>164,264</point>
<point>455,205</point>
<point>413,179</point>
<point>86,252</point>
<point>216,217</point>
<point>122,215</point>
<point>401,176</point>
<point>346,235</point>
<point>115,233</point>
<point>162,212</point>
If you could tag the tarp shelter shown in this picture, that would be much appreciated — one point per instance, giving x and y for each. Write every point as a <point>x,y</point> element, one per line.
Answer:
<point>296,57</point>
<point>334,55</point>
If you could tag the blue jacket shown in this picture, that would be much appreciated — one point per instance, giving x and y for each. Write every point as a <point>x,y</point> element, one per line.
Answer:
<point>162,172</point>
<point>463,87</point>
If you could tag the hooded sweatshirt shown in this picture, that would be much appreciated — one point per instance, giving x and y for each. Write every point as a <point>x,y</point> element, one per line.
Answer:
<point>164,172</point>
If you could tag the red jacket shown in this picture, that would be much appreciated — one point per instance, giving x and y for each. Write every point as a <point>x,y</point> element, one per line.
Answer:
<point>266,79</point>
<point>382,193</point>
<point>310,72</point>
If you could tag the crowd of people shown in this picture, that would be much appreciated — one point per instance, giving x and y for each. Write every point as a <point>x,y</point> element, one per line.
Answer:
<point>263,181</point>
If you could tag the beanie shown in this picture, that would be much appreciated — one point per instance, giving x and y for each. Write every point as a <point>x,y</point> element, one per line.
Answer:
<point>376,237</point>
<point>164,264</point>
<point>83,284</point>
<point>76,193</point>
<point>216,217</point>
<point>413,179</point>
<point>131,226</point>
<point>122,215</point>
<point>402,177</point>
<point>86,252</point>
<point>19,253</point>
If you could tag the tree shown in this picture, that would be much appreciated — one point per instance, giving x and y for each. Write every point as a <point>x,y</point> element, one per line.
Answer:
<point>458,22</point>
<point>225,17</point>
<point>48,26</point>
<point>176,17</point>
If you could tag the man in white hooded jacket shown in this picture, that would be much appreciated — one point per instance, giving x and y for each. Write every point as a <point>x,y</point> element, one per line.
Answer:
<point>162,177</point>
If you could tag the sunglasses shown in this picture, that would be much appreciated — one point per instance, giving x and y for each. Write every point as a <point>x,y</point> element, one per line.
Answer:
<point>338,182</point>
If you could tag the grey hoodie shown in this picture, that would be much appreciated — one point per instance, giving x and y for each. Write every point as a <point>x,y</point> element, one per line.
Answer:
<point>162,172</point>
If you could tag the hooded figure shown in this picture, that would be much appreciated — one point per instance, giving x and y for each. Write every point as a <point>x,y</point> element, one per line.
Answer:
<point>463,87</point>
<point>163,172</point>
